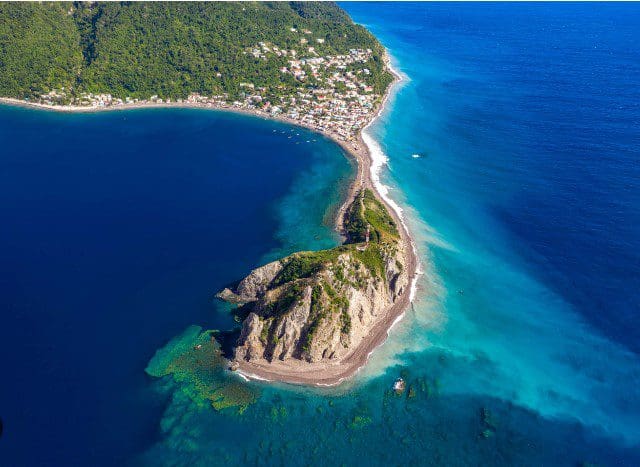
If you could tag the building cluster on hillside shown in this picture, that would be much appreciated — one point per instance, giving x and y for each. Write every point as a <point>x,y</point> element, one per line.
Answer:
<point>340,101</point>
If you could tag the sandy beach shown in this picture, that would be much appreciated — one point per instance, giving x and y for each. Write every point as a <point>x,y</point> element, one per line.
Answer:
<point>295,371</point>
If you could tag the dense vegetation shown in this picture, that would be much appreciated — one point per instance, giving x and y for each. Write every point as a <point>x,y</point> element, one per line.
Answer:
<point>39,48</point>
<point>368,213</point>
<point>287,298</point>
<point>169,49</point>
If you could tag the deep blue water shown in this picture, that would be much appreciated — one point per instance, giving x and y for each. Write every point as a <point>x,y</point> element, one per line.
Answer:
<point>117,229</point>
<point>522,346</point>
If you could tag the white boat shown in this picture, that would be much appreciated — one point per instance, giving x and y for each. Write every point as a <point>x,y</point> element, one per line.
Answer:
<point>399,386</point>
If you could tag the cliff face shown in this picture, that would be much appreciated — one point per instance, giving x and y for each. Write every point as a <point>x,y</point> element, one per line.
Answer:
<point>319,305</point>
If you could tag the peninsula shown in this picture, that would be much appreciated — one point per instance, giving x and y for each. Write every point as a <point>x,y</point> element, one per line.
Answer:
<point>310,318</point>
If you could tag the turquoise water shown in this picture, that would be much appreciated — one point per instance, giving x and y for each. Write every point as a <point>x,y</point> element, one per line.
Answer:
<point>522,345</point>
<point>525,202</point>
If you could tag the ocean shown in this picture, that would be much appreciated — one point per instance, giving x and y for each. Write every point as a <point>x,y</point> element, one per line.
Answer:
<point>118,229</point>
<point>512,147</point>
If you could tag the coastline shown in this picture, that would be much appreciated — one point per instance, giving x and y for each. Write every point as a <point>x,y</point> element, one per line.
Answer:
<point>368,167</point>
<point>327,374</point>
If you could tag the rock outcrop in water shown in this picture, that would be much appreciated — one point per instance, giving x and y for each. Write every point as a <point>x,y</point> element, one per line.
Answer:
<point>313,306</point>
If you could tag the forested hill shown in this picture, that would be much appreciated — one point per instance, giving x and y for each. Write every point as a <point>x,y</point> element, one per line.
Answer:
<point>173,49</point>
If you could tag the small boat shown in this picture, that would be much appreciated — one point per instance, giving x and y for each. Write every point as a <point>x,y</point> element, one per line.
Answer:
<point>416,156</point>
<point>399,386</point>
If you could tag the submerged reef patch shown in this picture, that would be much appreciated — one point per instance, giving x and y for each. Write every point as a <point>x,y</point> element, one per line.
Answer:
<point>195,362</point>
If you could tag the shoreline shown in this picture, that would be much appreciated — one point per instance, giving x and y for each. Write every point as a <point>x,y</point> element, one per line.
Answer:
<point>328,374</point>
<point>368,169</point>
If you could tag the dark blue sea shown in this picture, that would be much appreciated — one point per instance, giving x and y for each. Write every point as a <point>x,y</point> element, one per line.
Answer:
<point>117,229</point>
<point>512,146</point>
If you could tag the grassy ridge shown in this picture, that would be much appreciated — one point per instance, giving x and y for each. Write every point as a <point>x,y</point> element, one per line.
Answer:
<point>367,212</point>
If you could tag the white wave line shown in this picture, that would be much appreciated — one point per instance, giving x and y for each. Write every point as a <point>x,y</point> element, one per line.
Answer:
<point>380,159</point>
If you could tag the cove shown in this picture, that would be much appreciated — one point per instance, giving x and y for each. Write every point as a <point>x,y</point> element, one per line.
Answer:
<point>117,229</point>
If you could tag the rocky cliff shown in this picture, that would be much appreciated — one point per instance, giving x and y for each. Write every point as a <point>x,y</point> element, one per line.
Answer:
<point>320,305</point>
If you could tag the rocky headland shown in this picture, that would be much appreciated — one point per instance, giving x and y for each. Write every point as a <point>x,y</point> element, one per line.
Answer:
<point>317,309</point>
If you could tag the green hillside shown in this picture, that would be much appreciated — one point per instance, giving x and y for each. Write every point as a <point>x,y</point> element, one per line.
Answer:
<point>168,49</point>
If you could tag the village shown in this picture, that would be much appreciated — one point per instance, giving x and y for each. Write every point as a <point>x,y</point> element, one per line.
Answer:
<point>339,102</point>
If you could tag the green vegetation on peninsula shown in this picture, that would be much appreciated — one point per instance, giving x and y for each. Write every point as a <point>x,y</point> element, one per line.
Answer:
<point>315,306</point>
<point>309,307</point>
